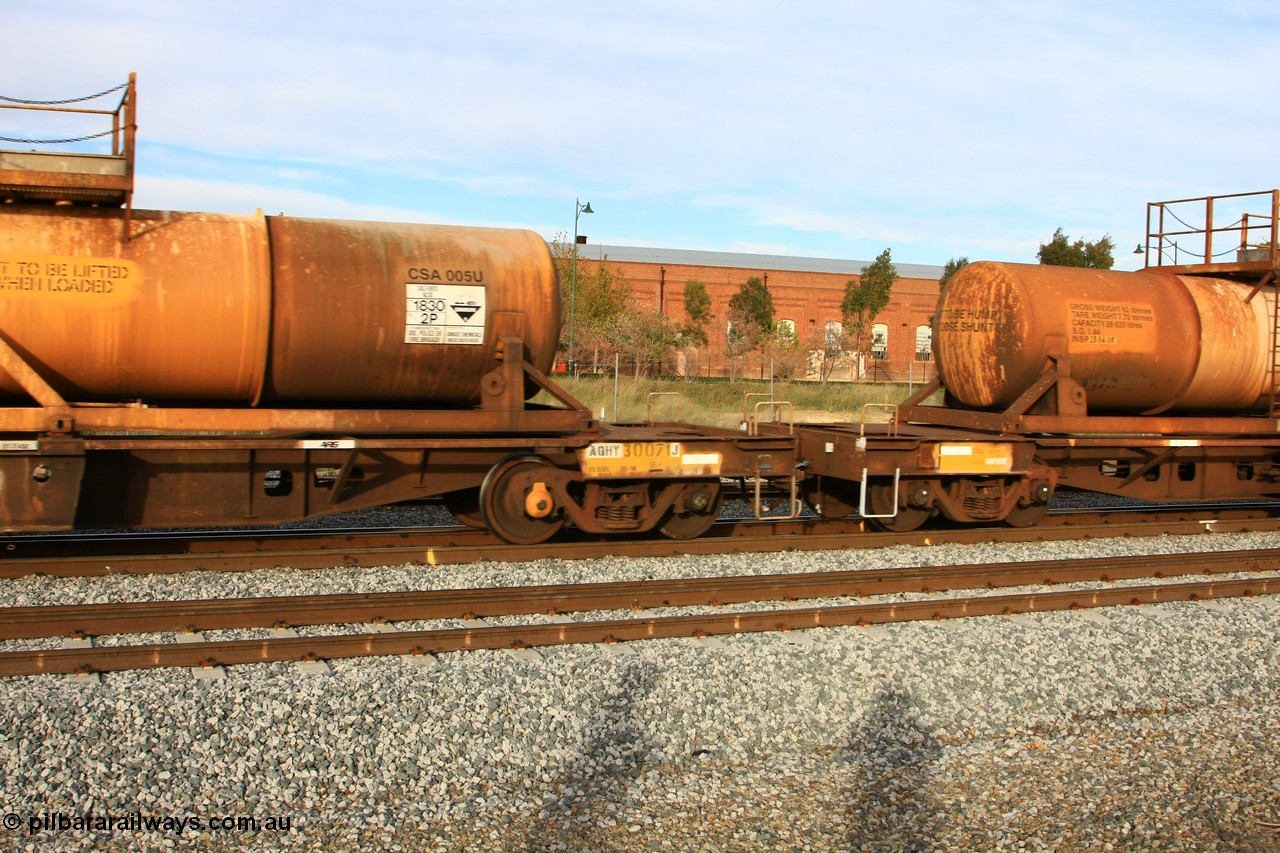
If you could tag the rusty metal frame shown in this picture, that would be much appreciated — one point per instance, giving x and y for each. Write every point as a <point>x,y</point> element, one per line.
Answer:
<point>75,464</point>
<point>1161,468</point>
<point>80,186</point>
<point>1165,223</point>
<point>139,481</point>
<point>132,464</point>
<point>1018,420</point>
<point>839,461</point>
<point>1057,404</point>
<point>502,409</point>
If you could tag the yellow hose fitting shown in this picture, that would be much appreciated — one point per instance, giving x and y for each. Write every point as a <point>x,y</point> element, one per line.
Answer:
<point>539,503</point>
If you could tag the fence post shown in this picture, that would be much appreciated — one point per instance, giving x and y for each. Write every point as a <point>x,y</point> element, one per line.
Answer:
<point>615,386</point>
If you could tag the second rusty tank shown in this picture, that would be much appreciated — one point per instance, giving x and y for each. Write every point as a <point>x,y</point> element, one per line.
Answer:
<point>1136,341</point>
<point>259,309</point>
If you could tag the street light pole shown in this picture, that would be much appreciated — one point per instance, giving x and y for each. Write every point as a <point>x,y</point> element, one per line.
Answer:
<point>1160,251</point>
<point>578,209</point>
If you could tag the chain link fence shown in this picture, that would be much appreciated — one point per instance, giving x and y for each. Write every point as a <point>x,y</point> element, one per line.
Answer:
<point>725,402</point>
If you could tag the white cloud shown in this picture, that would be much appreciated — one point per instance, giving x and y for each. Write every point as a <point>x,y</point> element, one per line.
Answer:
<point>944,127</point>
<point>222,197</point>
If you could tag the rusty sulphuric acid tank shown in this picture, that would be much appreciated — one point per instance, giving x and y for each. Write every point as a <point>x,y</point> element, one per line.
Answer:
<point>267,309</point>
<point>1141,342</point>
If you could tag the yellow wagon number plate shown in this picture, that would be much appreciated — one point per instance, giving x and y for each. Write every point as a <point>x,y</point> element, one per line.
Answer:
<point>975,458</point>
<point>629,458</point>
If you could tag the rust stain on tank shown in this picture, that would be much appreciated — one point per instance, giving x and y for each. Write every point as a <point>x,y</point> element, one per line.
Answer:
<point>105,320</point>
<point>434,299</point>
<point>1140,341</point>
<point>978,336</point>
<point>249,309</point>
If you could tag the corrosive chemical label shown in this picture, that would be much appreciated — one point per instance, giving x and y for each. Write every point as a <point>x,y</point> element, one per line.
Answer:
<point>444,314</point>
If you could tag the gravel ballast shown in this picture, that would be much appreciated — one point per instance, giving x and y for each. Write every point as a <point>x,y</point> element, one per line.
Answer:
<point>1152,728</point>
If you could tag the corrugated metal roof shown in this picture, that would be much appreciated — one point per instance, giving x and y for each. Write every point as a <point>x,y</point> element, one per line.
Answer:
<point>742,260</point>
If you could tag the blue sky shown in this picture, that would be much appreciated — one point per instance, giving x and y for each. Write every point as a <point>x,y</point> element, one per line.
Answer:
<point>826,129</point>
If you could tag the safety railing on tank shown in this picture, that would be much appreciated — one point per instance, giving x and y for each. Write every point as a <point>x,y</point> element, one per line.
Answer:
<point>1235,236</point>
<point>1222,234</point>
<point>37,173</point>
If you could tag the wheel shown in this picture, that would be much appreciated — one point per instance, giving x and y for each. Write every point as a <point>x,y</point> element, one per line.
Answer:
<point>695,510</point>
<point>1041,492</point>
<point>464,504</point>
<point>880,502</point>
<point>1026,516</point>
<point>504,496</point>
<point>829,497</point>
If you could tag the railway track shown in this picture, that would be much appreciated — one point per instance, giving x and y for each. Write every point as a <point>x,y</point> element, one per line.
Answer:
<point>378,611</point>
<point>68,555</point>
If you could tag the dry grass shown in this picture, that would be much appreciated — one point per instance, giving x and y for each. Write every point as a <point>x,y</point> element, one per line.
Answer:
<point>722,402</point>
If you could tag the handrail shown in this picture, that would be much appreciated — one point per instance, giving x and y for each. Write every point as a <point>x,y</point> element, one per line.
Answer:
<point>1256,242</point>
<point>123,118</point>
<point>62,177</point>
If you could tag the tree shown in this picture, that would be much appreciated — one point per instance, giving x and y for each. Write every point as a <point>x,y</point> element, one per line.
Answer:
<point>952,267</point>
<point>827,349</point>
<point>750,321</point>
<point>697,307</point>
<point>865,298</point>
<point>1061,252</point>
<point>602,298</point>
<point>646,337</point>
<point>785,351</point>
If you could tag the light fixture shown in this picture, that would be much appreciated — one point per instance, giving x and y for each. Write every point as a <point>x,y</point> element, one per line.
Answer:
<point>578,210</point>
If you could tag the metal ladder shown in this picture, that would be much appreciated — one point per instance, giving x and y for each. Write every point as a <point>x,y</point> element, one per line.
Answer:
<point>1275,354</point>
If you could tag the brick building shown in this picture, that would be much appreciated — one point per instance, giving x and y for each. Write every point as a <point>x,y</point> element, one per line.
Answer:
<point>806,294</point>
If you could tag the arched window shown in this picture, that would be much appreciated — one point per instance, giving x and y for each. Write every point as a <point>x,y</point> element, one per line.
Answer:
<point>785,329</point>
<point>880,342</point>
<point>924,343</point>
<point>834,335</point>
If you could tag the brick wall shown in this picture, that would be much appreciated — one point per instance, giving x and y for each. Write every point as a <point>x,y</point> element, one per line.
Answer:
<point>808,299</point>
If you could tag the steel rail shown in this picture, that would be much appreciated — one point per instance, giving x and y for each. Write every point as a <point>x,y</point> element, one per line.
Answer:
<point>214,614</point>
<point>456,546</point>
<point>413,643</point>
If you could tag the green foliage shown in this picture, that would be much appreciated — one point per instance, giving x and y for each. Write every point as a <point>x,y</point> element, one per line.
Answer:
<point>828,346</point>
<point>600,302</point>
<point>697,307</point>
<point>1061,252</point>
<point>721,402</point>
<point>754,304</point>
<point>786,352</point>
<point>865,298</point>
<point>646,338</point>
<point>952,267</point>
<point>751,315</point>
<point>603,297</point>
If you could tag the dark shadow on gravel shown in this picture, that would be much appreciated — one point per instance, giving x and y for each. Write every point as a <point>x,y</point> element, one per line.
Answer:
<point>610,754</point>
<point>894,809</point>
